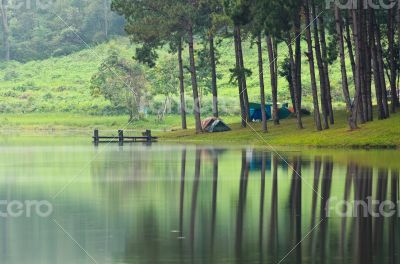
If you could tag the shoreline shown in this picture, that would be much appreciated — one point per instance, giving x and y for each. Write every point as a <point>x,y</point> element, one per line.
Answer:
<point>202,139</point>
<point>379,134</point>
<point>254,145</point>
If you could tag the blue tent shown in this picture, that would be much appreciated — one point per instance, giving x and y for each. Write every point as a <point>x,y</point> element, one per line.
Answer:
<point>256,115</point>
<point>255,111</point>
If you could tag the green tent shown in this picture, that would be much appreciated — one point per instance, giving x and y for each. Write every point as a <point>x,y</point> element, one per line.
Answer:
<point>255,111</point>
<point>218,126</point>
<point>284,112</point>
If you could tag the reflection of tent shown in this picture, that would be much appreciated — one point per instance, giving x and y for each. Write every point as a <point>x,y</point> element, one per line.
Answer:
<point>255,112</point>
<point>256,161</point>
<point>213,124</point>
<point>209,153</point>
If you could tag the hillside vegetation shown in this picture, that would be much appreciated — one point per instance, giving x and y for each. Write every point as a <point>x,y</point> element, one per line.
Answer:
<point>62,84</point>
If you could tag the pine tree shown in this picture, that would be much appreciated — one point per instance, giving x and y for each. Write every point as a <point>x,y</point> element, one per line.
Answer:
<point>345,87</point>
<point>321,69</point>
<point>310,54</point>
<point>154,23</point>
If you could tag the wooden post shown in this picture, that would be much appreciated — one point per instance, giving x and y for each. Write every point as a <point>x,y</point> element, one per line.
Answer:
<point>148,133</point>
<point>121,137</point>
<point>96,137</point>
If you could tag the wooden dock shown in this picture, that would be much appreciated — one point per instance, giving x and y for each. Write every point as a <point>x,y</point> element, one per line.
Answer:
<point>121,139</point>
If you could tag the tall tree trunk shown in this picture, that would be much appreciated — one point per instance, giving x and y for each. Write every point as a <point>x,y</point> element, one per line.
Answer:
<point>368,67</point>
<point>398,55</point>
<point>213,76</point>
<point>381,66</point>
<point>274,75</point>
<point>106,6</point>
<point>378,88</point>
<point>363,100</point>
<point>357,36</point>
<point>239,78</point>
<point>326,69</point>
<point>357,76</point>
<point>275,45</point>
<point>182,86</point>
<point>291,89</point>
<point>392,59</point>
<point>196,104</point>
<point>262,90</point>
<point>324,104</point>
<point>296,90</point>
<point>6,31</point>
<point>297,32</point>
<point>350,49</point>
<point>339,29</point>
<point>244,82</point>
<point>310,54</point>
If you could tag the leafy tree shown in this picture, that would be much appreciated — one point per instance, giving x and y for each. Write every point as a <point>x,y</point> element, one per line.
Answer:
<point>164,82</point>
<point>121,82</point>
<point>155,23</point>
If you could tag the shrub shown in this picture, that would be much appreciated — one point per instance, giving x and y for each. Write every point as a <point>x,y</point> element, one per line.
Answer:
<point>10,76</point>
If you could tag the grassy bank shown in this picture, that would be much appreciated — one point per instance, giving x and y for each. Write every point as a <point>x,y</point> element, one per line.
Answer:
<point>384,134</point>
<point>68,121</point>
<point>377,134</point>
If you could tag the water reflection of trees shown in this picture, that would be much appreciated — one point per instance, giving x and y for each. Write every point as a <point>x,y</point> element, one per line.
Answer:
<point>269,212</point>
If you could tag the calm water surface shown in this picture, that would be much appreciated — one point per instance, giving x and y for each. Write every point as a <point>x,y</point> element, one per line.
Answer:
<point>188,204</point>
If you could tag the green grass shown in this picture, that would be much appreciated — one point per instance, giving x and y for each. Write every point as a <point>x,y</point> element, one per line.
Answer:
<point>377,134</point>
<point>67,121</point>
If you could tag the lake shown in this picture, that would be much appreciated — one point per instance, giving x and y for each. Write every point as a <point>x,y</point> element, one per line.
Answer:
<point>195,204</point>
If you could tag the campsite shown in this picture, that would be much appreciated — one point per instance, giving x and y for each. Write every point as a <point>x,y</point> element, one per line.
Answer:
<point>199,131</point>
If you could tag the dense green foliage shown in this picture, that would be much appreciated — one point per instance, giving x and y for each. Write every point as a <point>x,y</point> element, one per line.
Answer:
<point>122,82</point>
<point>63,84</point>
<point>42,29</point>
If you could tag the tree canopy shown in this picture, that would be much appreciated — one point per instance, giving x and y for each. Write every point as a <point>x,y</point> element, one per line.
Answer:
<point>39,31</point>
